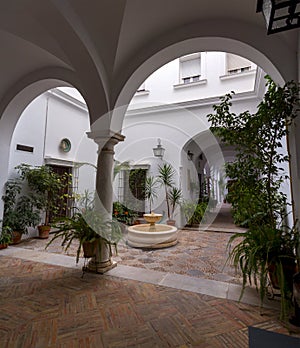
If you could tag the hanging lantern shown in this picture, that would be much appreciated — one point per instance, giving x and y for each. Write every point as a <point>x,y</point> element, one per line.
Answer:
<point>280,15</point>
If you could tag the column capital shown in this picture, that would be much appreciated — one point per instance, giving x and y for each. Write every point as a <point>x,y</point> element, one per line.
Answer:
<point>103,137</point>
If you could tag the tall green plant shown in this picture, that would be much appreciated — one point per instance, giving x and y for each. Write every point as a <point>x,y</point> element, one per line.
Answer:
<point>256,177</point>
<point>256,172</point>
<point>174,196</point>
<point>20,211</point>
<point>151,186</point>
<point>166,175</point>
<point>46,187</point>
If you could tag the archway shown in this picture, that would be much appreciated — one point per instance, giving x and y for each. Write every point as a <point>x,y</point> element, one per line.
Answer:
<point>265,57</point>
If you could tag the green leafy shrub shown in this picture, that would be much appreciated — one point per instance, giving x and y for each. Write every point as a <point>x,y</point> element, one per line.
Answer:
<point>123,214</point>
<point>20,211</point>
<point>193,212</point>
<point>256,176</point>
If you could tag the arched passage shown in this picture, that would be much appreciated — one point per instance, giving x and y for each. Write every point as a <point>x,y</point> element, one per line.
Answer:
<point>22,94</point>
<point>181,48</point>
<point>269,57</point>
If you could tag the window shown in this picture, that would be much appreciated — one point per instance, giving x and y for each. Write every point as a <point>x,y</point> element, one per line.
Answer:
<point>236,64</point>
<point>190,68</point>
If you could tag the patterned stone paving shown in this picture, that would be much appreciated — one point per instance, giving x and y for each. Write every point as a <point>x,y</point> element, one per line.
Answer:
<point>200,254</point>
<point>51,306</point>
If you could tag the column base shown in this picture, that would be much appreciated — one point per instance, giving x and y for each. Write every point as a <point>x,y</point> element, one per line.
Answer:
<point>99,267</point>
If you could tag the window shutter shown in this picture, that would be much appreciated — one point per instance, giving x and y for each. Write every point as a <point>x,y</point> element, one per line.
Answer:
<point>236,62</point>
<point>190,68</point>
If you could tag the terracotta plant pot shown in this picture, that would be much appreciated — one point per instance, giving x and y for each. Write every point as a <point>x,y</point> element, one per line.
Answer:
<point>16,237</point>
<point>289,269</point>
<point>44,231</point>
<point>89,249</point>
<point>3,246</point>
<point>171,222</point>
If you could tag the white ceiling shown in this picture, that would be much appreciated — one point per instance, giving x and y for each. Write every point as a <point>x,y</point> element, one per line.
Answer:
<point>103,41</point>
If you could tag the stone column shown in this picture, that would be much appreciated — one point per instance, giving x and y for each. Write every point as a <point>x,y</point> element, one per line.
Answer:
<point>102,261</point>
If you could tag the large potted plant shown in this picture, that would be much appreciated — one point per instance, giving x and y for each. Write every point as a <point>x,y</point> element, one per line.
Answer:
<point>256,177</point>
<point>19,212</point>
<point>47,191</point>
<point>97,236</point>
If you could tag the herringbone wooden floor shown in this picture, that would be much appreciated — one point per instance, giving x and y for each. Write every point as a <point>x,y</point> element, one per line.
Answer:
<point>51,306</point>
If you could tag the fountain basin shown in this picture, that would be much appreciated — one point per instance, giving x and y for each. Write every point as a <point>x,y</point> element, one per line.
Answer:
<point>147,236</point>
<point>152,218</point>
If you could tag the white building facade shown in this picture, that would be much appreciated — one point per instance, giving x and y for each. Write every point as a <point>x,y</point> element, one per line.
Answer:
<point>171,105</point>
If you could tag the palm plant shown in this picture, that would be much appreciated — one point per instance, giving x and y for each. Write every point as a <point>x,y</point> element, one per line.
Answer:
<point>174,196</point>
<point>166,178</point>
<point>151,190</point>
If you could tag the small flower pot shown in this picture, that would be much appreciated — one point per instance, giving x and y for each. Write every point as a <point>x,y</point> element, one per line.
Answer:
<point>44,231</point>
<point>3,246</point>
<point>171,222</point>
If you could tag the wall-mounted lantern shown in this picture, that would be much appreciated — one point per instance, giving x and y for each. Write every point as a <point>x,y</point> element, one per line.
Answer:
<point>158,151</point>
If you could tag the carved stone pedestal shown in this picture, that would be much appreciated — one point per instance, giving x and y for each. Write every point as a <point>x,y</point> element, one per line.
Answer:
<point>99,267</point>
<point>101,262</point>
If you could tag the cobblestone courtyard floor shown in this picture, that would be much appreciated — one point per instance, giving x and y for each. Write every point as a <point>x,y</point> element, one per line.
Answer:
<point>197,254</point>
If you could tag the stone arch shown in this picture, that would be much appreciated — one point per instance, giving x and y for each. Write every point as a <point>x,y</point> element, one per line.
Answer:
<point>198,44</point>
<point>235,37</point>
<point>17,99</point>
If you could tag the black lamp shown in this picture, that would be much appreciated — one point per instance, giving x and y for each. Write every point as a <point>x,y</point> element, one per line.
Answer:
<point>280,15</point>
<point>158,151</point>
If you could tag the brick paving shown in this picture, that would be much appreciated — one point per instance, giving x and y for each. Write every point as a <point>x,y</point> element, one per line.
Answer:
<point>51,306</point>
<point>45,305</point>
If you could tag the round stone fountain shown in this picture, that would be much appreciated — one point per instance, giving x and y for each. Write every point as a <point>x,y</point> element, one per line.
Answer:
<point>152,235</point>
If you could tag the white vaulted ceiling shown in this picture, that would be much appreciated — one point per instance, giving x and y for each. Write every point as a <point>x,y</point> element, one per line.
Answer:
<point>96,45</point>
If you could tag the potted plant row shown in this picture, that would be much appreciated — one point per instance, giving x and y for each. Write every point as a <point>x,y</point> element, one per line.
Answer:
<point>36,192</point>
